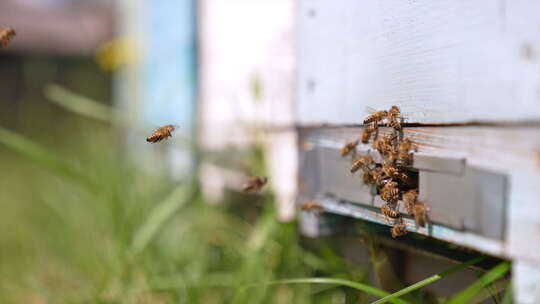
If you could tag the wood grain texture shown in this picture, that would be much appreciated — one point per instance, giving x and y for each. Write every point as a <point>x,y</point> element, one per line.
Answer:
<point>440,61</point>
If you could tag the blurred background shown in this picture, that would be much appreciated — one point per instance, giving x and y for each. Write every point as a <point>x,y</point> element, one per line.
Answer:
<point>92,213</point>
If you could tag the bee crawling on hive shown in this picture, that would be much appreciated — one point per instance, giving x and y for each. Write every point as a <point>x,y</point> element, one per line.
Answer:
<point>348,148</point>
<point>390,192</point>
<point>409,198</point>
<point>363,162</point>
<point>386,144</point>
<point>389,211</point>
<point>366,134</point>
<point>367,177</point>
<point>312,206</point>
<point>420,214</point>
<point>388,168</point>
<point>6,34</point>
<point>394,117</point>
<point>255,184</point>
<point>398,230</point>
<point>161,133</point>
<point>403,151</point>
<point>378,177</point>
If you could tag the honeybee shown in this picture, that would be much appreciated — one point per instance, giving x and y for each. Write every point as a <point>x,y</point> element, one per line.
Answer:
<point>363,162</point>
<point>388,211</point>
<point>368,177</point>
<point>388,168</point>
<point>385,144</point>
<point>392,155</point>
<point>398,230</point>
<point>403,151</point>
<point>376,116</point>
<point>312,206</point>
<point>378,177</point>
<point>394,118</point>
<point>255,184</point>
<point>390,192</point>
<point>420,214</point>
<point>6,35</point>
<point>391,171</point>
<point>349,147</point>
<point>161,134</point>
<point>409,198</point>
<point>366,134</point>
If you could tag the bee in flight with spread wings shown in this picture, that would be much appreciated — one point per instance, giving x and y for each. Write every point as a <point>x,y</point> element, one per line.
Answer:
<point>161,133</point>
<point>374,115</point>
<point>255,184</point>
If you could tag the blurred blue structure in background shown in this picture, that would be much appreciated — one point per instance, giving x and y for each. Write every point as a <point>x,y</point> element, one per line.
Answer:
<point>169,63</point>
<point>160,87</point>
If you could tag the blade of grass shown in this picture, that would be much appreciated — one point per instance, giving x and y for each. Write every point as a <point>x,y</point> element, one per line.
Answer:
<point>43,157</point>
<point>492,275</point>
<point>508,296</point>
<point>428,281</point>
<point>494,293</point>
<point>159,216</point>
<point>79,104</point>
<point>358,286</point>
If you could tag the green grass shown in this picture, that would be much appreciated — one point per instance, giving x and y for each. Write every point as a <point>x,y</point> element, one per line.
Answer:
<point>93,228</point>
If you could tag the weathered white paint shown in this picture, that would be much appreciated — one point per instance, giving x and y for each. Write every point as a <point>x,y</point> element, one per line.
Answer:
<point>440,61</point>
<point>526,282</point>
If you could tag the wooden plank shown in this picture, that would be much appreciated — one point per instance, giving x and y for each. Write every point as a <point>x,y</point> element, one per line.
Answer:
<point>441,62</point>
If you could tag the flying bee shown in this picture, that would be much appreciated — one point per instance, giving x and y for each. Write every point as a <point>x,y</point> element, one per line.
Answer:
<point>394,118</point>
<point>366,134</point>
<point>403,151</point>
<point>161,133</point>
<point>420,214</point>
<point>409,198</point>
<point>348,148</point>
<point>363,162</point>
<point>390,192</point>
<point>6,35</point>
<point>388,211</point>
<point>375,116</point>
<point>312,206</point>
<point>398,230</point>
<point>255,183</point>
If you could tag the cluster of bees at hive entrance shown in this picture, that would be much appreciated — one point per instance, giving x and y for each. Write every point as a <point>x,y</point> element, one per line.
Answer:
<point>392,177</point>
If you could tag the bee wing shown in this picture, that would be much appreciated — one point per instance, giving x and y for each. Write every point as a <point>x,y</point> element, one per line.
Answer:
<point>369,110</point>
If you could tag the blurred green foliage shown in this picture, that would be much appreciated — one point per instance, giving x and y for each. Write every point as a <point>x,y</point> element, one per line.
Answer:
<point>81,224</point>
